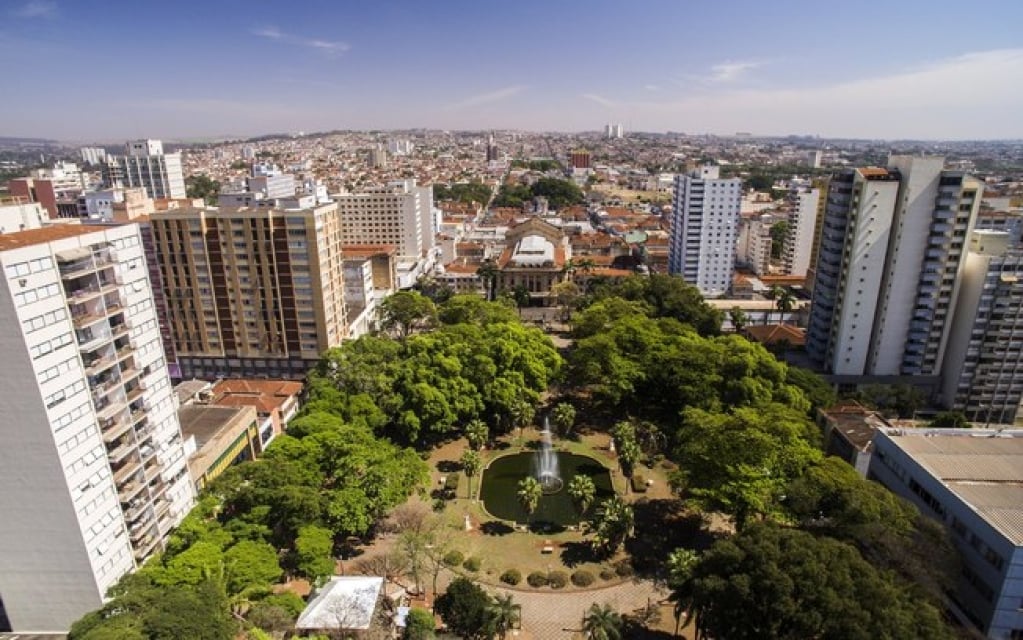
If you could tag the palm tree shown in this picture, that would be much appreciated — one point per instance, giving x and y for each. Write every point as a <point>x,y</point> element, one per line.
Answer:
<point>471,463</point>
<point>784,303</point>
<point>773,294</point>
<point>504,614</point>
<point>602,623</point>
<point>738,318</point>
<point>680,579</point>
<point>487,272</point>
<point>477,432</point>
<point>521,296</point>
<point>564,417</point>
<point>583,491</point>
<point>529,494</point>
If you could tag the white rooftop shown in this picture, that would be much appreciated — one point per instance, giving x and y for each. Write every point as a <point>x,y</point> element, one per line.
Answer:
<point>345,602</point>
<point>983,468</point>
<point>533,251</point>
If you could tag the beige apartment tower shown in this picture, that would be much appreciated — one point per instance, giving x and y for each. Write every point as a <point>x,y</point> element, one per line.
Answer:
<point>253,292</point>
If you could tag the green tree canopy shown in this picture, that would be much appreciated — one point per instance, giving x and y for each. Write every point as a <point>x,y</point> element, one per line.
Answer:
<point>464,607</point>
<point>770,582</point>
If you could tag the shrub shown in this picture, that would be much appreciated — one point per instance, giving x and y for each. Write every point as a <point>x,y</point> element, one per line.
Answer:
<point>453,558</point>
<point>607,573</point>
<point>558,579</point>
<point>472,563</point>
<point>451,482</point>
<point>512,577</point>
<point>624,568</point>
<point>439,505</point>
<point>537,579</point>
<point>638,483</point>
<point>582,578</point>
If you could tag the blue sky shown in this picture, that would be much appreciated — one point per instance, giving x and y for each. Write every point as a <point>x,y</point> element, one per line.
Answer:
<point>92,70</point>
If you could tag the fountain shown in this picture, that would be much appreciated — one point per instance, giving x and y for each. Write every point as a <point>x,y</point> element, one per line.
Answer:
<point>545,462</point>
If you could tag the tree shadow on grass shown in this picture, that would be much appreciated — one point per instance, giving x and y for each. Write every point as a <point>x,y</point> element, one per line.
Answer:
<point>576,553</point>
<point>496,528</point>
<point>448,466</point>
<point>661,526</point>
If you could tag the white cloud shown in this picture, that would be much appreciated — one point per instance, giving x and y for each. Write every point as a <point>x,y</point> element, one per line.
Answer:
<point>487,98</point>
<point>976,94</point>
<point>731,71</point>
<point>330,48</point>
<point>651,87</point>
<point>37,9</point>
<point>601,100</point>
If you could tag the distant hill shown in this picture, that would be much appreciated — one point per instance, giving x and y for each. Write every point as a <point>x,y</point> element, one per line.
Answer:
<point>10,141</point>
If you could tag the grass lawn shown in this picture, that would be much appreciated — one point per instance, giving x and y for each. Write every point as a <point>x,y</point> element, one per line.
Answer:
<point>498,545</point>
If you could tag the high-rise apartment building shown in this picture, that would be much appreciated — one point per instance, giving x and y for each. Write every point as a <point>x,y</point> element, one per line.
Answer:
<point>704,217</point>
<point>146,165</point>
<point>253,292</point>
<point>400,213</point>
<point>798,254</point>
<point>890,257</point>
<point>985,346</point>
<point>93,468</point>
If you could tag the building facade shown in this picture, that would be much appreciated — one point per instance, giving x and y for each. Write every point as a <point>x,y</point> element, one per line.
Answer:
<point>146,165</point>
<point>251,292</point>
<point>970,480</point>
<point>704,218</point>
<point>798,254</point>
<point>890,258</point>
<point>400,213</point>
<point>93,466</point>
<point>985,350</point>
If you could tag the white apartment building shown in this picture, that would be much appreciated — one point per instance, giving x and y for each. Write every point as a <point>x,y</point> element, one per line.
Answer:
<point>93,155</point>
<point>754,245</point>
<point>985,346</point>
<point>970,480</point>
<point>93,469</point>
<point>808,209</point>
<point>146,165</point>
<point>890,259</point>
<point>400,213</point>
<point>705,214</point>
<point>18,215</point>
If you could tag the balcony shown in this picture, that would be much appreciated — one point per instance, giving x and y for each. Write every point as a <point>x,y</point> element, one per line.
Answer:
<point>130,489</point>
<point>86,293</point>
<point>142,528</point>
<point>126,470</point>
<point>135,393</point>
<point>113,429</point>
<point>82,317</point>
<point>95,366</point>
<point>135,508</point>
<point>107,407</point>
<point>76,268</point>
<point>121,452</point>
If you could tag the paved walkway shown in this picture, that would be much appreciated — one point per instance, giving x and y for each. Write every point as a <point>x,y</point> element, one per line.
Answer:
<point>553,615</point>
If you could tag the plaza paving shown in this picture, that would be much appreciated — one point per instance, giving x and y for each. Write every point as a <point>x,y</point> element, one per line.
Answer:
<point>550,615</point>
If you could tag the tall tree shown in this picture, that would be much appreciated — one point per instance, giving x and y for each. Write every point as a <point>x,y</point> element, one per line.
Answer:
<point>314,552</point>
<point>488,272</point>
<point>611,525</point>
<point>739,319</point>
<point>419,625</point>
<point>464,608</point>
<point>405,311</point>
<point>471,464</point>
<point>602,623</point>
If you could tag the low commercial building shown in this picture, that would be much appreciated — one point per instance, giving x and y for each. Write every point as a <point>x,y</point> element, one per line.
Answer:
<point>216,438</point>
<point>971,480</point>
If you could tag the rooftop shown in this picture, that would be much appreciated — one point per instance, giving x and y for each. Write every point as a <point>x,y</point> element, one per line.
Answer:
<point>984,468</point>
<point>50,233</point>
<point>345,602</point>
<point>206,422</point>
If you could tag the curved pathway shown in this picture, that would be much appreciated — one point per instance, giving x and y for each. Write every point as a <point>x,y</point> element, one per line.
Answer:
<point>557,615</point>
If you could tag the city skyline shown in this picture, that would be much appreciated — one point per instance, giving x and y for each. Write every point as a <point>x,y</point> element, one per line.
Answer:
<point>236,69</point>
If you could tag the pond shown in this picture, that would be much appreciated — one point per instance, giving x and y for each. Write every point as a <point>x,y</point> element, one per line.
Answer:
<point>500,485</point>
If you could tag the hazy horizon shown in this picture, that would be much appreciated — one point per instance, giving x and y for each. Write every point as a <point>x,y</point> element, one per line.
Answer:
<point>192,71</point>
